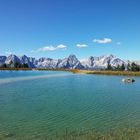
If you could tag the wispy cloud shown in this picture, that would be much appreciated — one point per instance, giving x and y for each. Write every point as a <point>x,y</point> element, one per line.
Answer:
<point>46,48</point>
<point>81,45</point>
<point>103,41</point>
<point>51,48</point>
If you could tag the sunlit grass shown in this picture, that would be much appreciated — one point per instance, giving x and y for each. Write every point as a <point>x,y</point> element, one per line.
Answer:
<point>102,72</point>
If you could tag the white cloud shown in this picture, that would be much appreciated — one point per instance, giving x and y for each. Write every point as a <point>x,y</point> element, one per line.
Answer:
<point>103,41</point>
<point>51,48</point>
<point>81,45</point>
<point>46,48</point>
<point>61,46</point>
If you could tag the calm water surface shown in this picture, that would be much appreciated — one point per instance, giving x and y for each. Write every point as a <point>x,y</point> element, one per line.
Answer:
<point>41,103</point>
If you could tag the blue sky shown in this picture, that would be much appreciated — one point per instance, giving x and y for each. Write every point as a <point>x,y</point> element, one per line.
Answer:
<point>58,28</point>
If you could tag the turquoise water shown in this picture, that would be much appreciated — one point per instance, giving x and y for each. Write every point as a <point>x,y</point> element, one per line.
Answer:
<point>39,104</point>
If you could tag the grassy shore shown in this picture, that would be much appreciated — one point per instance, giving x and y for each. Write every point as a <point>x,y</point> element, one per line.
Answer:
<point>116,134</point>
<point>103,72</point>
<point>15,69</point>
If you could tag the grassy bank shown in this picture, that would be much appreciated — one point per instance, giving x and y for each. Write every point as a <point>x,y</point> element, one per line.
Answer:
<point>119,134</point>
<point>15,69</point>
<point>124,73</point>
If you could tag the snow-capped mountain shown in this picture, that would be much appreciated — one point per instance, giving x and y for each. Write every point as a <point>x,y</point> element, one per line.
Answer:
<point>12,58</point>
<point>71,62</point>
<point>101,62</point>
<point>26,60</point>
<point>46,63</point>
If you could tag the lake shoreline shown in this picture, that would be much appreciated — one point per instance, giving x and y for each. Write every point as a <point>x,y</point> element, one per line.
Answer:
<point>78,71</point>
<point>33,69</point>
<point>122,133</point>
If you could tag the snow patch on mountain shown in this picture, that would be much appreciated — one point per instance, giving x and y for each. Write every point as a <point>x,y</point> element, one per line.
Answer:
<point>101,62</point>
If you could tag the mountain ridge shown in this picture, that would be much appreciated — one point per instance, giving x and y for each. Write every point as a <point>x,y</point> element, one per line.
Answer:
<point>70,62</point>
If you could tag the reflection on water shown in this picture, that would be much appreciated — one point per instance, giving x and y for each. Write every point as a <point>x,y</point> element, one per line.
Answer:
<point>16,79</point>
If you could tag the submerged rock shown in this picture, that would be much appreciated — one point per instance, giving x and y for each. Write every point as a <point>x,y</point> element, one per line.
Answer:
<point>128,80</point>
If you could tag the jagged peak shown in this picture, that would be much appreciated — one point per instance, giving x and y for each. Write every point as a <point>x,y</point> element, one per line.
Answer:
<point>12,55</point>
<point>91,57</point>
<point>24,56</point>
<point>72,56</point>
<point>109,56</point>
